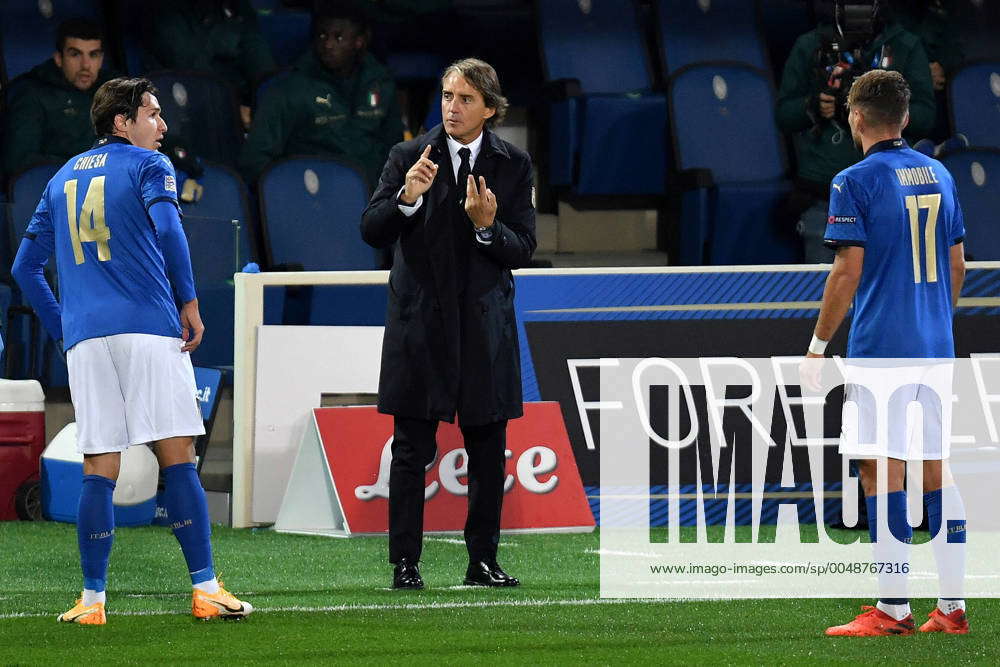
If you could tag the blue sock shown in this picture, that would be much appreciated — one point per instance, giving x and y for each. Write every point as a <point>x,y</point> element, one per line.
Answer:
<point>887,549</point>
<point>95,530</point>
<point>184,499</point>
<point>932,505</point>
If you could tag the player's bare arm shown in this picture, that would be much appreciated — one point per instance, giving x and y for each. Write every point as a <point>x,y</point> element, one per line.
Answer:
<point>838,294</point>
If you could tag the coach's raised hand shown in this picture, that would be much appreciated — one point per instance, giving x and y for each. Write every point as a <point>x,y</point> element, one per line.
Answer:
<point>481,203</point>
<point>419,178</point>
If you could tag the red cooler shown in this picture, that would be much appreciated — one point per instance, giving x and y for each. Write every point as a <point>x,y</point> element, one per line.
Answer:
<point>22,439</point>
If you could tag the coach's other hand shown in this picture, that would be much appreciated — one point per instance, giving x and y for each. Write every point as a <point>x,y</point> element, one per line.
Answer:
<point>481,203</point>
<point>192,328</point>
<point>419,178</point>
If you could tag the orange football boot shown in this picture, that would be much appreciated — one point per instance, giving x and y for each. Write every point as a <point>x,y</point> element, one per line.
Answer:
<point>221,604</point>
<point>872,622</point>
<point>955,623</point>
<point>85,615</point>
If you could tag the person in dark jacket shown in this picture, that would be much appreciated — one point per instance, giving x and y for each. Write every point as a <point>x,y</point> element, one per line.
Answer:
<point>49,115</point>
<point>339,102</point>
<point>456,206</point>
<point>217,36</point>
<point>813,113</point>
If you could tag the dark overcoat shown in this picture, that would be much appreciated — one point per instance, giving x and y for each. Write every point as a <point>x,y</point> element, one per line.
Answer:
<point>447,349</point>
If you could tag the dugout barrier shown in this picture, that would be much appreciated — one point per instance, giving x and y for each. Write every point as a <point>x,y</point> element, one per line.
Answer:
<point>568,320</point>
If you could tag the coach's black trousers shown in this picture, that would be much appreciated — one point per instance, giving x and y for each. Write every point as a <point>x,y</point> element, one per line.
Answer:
<point>413,449</point>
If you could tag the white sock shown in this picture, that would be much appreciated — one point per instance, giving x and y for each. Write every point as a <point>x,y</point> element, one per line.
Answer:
<point>92,597</point>
<point>897,611</point>
<point>894,554</point>
<point>948,606</point>
<point>950,556</point>
<point>210,586</point>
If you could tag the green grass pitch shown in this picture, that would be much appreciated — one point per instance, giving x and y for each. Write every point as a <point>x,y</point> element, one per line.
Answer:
<point>325,600</point>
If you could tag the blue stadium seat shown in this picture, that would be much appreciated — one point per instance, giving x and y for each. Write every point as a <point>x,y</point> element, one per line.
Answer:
<point>218,250</point>
<point>728,149</point>
<point>974,94</point>
<point>694,31</point>
<point>34,354</point>
<point>415,65</point>
<point>433,116</point>
<point>607,134</point>
<point>310,215</point>
<point>287,32</point>
<point>225,197</point>
<point>977,177</point>
<point>28,29</point>
<point>201,110</point>
<point>25,189</point>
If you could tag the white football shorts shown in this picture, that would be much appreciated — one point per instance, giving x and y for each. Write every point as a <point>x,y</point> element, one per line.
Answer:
<point>131,389</point>
<point>899,412</point>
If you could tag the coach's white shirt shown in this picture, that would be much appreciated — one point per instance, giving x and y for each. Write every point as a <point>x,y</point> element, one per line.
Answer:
<point>456,162</point>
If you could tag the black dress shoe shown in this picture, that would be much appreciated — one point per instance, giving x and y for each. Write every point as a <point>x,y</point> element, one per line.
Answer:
<point>406,576</point>
<point>488,573</point>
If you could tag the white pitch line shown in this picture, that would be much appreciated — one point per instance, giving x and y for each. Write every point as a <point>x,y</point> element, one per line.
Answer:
<point>457,540</point>
<point>632,554</point>
<point>484,604</point>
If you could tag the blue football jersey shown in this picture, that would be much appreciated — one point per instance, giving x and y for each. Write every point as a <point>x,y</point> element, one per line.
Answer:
<point>902,207</point>
<point>93,215</point>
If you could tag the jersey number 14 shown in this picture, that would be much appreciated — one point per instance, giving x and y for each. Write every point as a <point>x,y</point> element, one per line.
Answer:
<point>90,227</point>
<point>932,203</point>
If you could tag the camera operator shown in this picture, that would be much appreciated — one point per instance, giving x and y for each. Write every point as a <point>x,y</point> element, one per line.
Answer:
<point>850,40</point>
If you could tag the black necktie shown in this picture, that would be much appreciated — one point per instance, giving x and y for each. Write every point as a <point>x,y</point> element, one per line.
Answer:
<point>463,173</point>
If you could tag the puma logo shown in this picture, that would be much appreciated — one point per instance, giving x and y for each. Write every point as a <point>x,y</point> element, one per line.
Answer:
<point>836,186</point>
<point>324,100</point>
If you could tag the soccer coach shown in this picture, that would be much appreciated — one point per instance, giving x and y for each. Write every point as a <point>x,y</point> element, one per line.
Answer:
<point>456,205</point>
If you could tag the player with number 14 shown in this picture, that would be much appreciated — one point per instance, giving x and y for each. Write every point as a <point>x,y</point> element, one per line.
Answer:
<point>128,319</point>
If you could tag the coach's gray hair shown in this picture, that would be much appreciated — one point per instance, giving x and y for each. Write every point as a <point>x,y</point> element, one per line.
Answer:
<point>483,78</point>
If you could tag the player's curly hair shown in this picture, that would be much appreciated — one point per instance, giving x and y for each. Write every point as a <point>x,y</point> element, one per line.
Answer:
<point>883,96</point>
<point>118,96</point>
<point>483,78</point>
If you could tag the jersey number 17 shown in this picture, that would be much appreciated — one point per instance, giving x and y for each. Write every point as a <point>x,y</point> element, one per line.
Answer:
<point>91,227</point>
<point>932,203</point>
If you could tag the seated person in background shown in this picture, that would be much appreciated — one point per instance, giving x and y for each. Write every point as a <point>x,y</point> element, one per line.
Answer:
<point>49,116</point>
<point>814,85</point>
<point>339,102</point>
<point>216,36</point>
